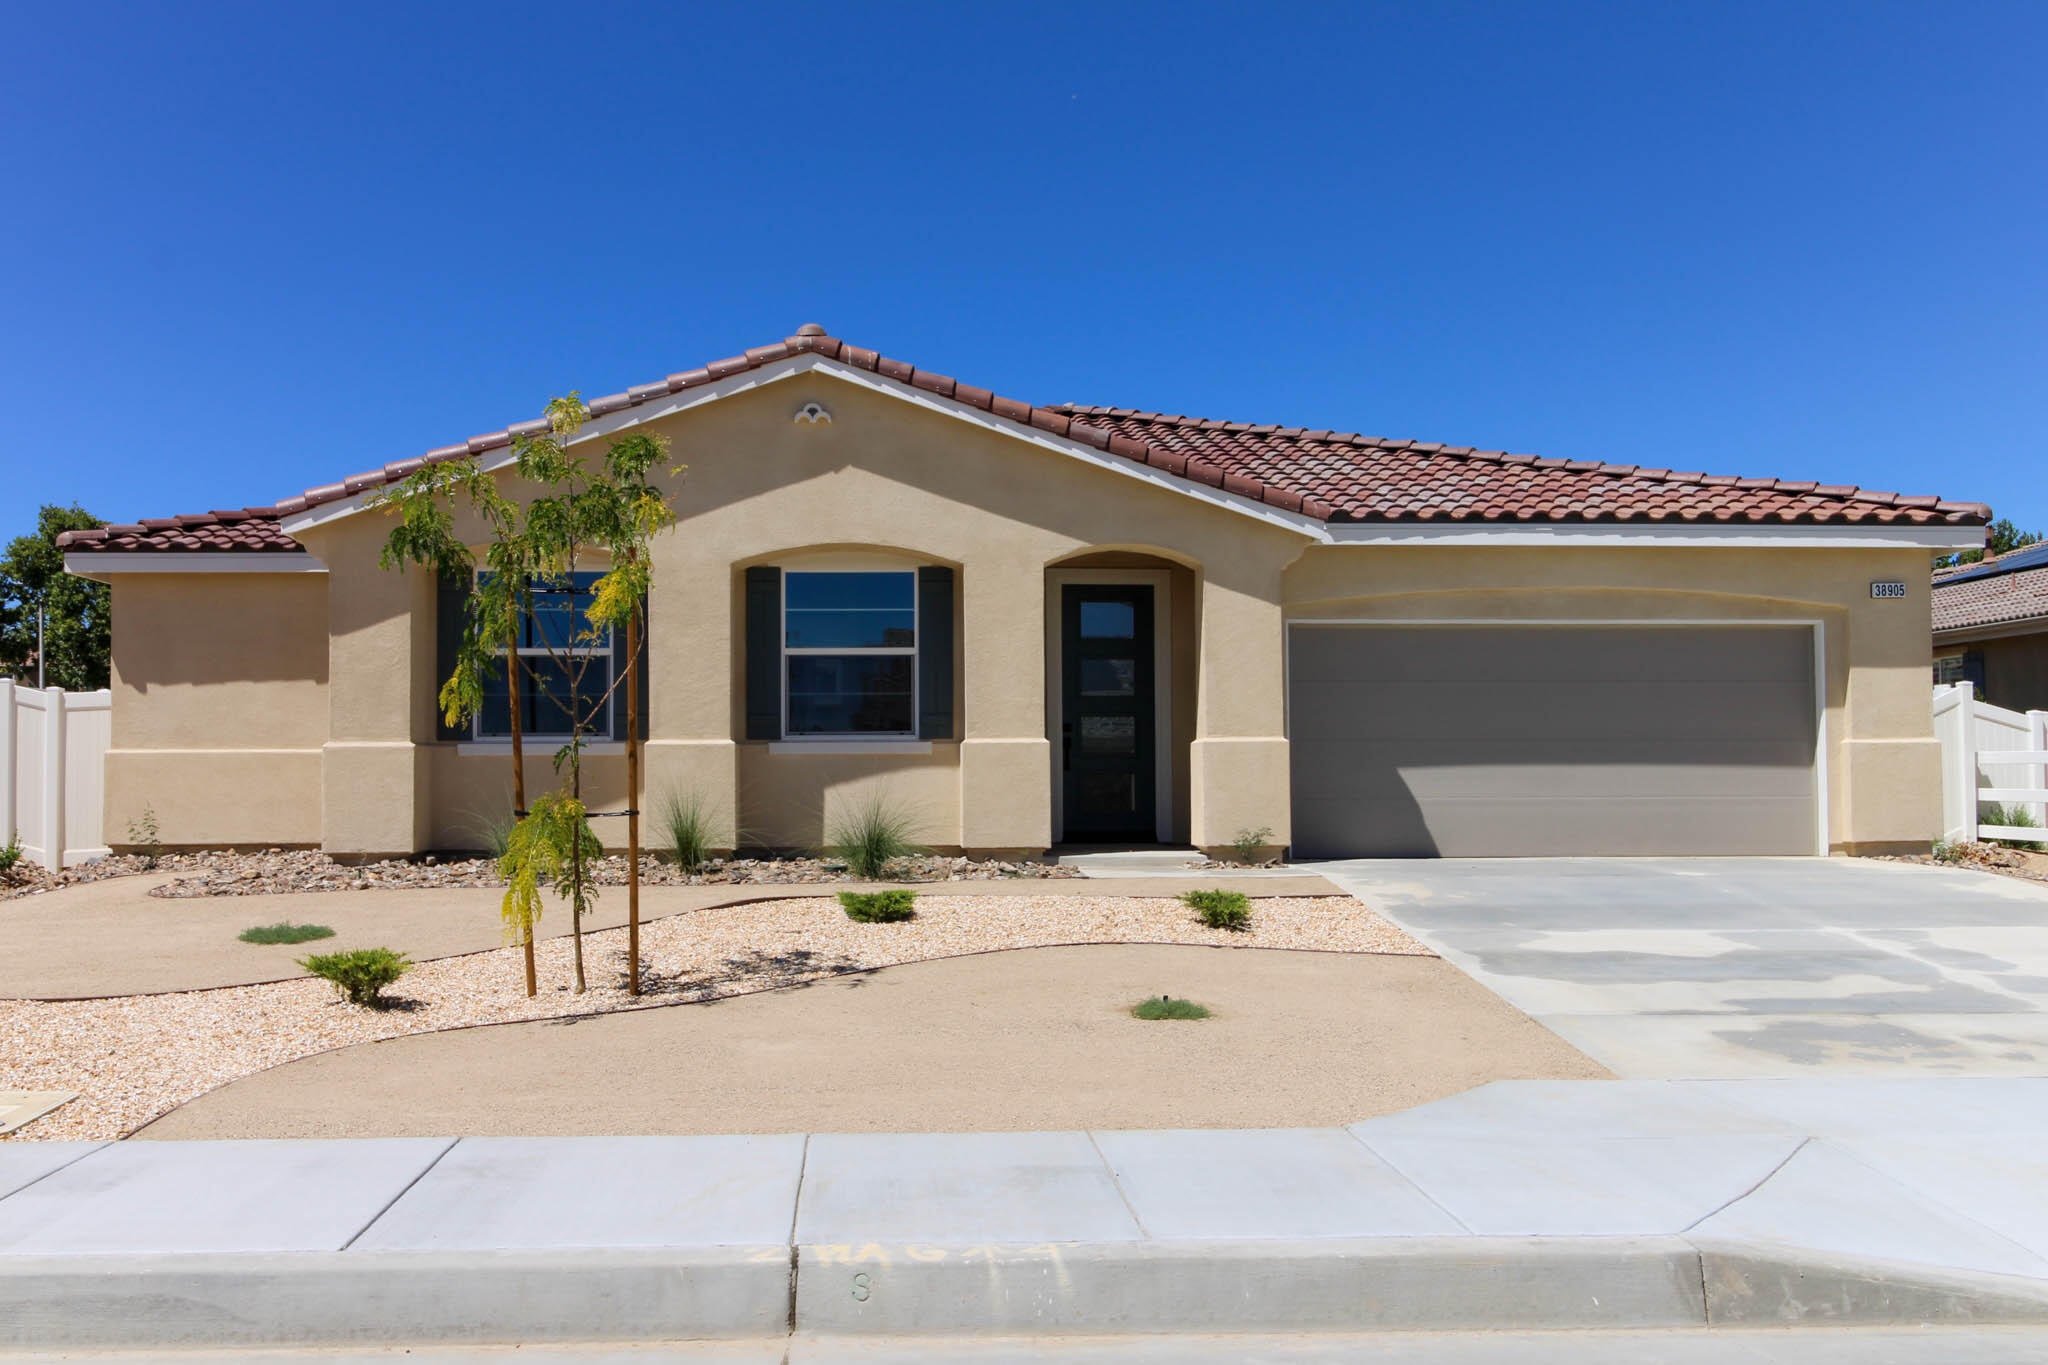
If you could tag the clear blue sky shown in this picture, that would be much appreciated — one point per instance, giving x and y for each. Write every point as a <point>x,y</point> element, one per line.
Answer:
<point>253,248</point>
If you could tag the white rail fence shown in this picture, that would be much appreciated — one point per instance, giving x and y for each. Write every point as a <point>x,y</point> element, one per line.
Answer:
<point>1989,754</point>
<point>53,749</point>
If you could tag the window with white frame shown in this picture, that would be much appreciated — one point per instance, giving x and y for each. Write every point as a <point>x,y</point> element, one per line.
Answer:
<point>550,650</point>
<point>849,653</point>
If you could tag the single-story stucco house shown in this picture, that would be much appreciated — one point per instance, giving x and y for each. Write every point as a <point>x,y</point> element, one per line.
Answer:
<point>1031,625</point>
<point>1991,628</point>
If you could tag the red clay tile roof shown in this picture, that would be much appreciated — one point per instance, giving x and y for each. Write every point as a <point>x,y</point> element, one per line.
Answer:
<point>1324,475</point>
<point>1371,479</point>
<point>241,530</point>
<point>1988,599</point>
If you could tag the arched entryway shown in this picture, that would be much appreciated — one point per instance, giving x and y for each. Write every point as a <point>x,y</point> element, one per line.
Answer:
<point>1121,664</point>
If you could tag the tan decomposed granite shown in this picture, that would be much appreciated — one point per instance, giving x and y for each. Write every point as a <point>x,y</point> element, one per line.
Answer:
<point>1016,1041</point>
<point>133,1058</point>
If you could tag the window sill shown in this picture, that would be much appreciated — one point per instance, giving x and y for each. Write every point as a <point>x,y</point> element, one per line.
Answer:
<point>544,746</point>
<point>820,747</point>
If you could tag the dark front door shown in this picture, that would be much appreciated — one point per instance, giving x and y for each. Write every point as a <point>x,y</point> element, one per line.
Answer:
<point>1106,731</point>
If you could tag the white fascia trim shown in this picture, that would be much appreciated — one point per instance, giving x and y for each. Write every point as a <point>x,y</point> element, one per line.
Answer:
<point>1775,537</point>
<point>1101,459</point>
<point>501,457</point>
<point>656,409</point>
<point>1687,533</point>
<point>90,565</point>
<point>1996,630</point>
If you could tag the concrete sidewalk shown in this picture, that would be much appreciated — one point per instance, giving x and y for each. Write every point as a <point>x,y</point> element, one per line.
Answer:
<point>1563,1205</point>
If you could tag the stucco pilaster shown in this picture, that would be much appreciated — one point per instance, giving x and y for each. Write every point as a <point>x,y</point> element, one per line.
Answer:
<point>375,777</point>
<point>1005,758</point>
<point>1238,764</point>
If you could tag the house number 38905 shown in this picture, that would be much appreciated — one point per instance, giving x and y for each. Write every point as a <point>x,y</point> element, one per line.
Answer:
<point>1888,587</point>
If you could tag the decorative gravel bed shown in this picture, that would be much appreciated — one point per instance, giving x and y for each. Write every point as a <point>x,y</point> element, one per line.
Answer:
<point>2006,862</point>
<point>132,1058</point>
<point>276,871</point>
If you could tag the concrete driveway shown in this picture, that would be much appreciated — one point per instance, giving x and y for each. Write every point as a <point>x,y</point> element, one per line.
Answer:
<point>1696,967</point>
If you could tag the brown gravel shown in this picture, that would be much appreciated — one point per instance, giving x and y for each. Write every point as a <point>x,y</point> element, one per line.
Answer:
<point>2006,862</point>
<point>277,871</point>
<point>134,1057</point>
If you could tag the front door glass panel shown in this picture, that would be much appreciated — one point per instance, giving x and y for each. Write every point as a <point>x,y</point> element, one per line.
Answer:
<point>1108,739</point>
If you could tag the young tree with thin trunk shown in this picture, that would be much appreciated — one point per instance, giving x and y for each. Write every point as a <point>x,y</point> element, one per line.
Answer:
<point>536,551</point>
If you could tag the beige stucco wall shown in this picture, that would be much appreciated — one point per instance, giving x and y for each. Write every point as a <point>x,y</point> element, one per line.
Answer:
<point>884,475</point>
<point>220,707</point>
<point>1882,761</point>
<point>340,679</point>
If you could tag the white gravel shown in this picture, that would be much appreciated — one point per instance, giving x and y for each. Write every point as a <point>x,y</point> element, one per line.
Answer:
<point>132,1058</point>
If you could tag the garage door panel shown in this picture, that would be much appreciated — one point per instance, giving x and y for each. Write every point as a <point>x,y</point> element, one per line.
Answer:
<point>1590,828</point>
<point>1506,712</point>
<point>1595,655</point>
<point>1478,741</point>
<point>1706,771</point>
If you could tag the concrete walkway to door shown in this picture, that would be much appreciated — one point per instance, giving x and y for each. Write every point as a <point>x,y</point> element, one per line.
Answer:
<point>1726,967</point>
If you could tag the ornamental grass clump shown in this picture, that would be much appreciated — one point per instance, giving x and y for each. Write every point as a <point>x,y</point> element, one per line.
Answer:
<point>360,974</point>
<point>685,819</point>
<point>879,907</point>
<point>1230,910</point>
<point>869,837</point>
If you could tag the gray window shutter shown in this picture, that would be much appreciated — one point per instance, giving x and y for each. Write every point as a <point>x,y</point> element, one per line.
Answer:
<point>764,653</point>
<point>935,653</point>
<point>449,602</point>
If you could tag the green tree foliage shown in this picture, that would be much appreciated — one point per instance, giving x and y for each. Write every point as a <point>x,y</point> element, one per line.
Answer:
<point>2000,537</point>
<point>76,610</point>
<point>572,510</point>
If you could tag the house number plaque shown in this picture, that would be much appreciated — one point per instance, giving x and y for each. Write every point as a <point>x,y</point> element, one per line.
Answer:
<point>1888,587</point>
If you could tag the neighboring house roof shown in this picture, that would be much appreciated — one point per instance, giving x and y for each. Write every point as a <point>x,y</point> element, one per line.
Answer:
<point>1329,476</point>
<point>2010,588</point>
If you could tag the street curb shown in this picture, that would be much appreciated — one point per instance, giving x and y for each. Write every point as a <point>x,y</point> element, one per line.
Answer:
<point>200,1301</point>
<point>1307,1285</point>
<point>1748,1284</point>
<point>347,1298</point>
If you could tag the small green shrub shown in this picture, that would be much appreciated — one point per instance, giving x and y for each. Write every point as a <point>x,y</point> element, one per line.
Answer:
<point>879,907</point>
<point>684,819</point>
<point>146,837</point>
<point>11,854</point>
<point>869,837</point>
<point>1221,909</point>
<point>1166,1007</point>
<point>1951,850</point>
<point>1999,813</point>
<point>1249,843</point>
<point>361,973</point>
<point>285,932</point>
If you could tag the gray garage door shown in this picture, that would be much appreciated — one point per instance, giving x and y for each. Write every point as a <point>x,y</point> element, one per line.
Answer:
<point>1499,741</point>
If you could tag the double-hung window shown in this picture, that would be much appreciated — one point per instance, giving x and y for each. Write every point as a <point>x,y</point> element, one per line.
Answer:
<point>550,651</point>
<point>849,654</point>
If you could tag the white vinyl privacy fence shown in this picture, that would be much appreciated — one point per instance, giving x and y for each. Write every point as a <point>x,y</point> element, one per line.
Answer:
<point>1989,755</point>
<point>53,749</point>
